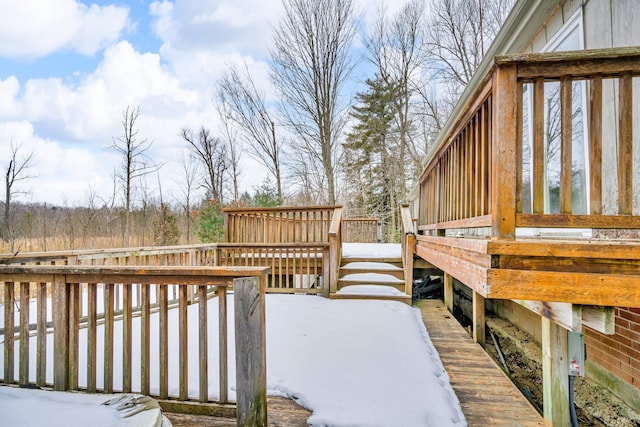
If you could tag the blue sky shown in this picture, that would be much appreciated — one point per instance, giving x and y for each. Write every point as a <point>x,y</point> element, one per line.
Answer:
<point>69,68</point>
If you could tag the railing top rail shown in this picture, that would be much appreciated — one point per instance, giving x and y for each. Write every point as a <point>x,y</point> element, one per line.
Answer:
<point>258,245</point>
<point>54,255</point>
<point>280,209</point>
<point>585,55</point>
<point>134,274</point>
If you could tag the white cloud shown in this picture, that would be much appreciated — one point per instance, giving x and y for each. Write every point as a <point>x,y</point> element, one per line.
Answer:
<point>37,28</point>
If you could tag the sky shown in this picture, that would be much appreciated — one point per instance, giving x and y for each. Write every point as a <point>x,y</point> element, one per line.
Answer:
<point>69,68</point>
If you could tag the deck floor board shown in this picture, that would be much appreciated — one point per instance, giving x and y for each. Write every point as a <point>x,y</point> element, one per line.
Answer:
<point>486,395</point>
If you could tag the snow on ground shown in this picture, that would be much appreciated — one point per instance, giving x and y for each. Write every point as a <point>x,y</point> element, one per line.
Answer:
<point>353,363</point>
<point>371,277</point>
<point>37,408</point>
<point>371,266</point>
<point>371,250</point>
<point>370,290</point>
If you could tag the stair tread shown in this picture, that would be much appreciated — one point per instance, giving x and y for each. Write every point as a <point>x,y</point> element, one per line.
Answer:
<point>371,277</point>
<point>371,266</point>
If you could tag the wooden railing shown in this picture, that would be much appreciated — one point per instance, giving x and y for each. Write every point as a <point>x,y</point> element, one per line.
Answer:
<point>277,225</point>
<point>408,247</point>
<point>75,308</point>
<point>515,156</point>
<point>361,230</point>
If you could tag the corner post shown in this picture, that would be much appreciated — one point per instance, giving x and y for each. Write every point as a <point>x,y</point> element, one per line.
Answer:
<point>251,371</point>
<point>478,318</point>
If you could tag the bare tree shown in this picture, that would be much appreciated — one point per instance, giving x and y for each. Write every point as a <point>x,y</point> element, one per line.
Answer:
<point>395,48</point>
<point>135,161</point>
<point>14,173</point>
<point>189,175</point>
<point>211,152</point>
<point>310,65</point>
<point>240,101</point>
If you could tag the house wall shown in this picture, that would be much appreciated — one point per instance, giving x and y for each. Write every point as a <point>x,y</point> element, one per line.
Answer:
<point>613,360</point>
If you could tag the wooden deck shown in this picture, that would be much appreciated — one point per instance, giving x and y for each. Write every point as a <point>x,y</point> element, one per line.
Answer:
<point>487,396</point>
<point>280,412</point>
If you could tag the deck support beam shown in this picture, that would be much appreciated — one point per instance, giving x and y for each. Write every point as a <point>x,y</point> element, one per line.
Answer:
<point>478,318</point>
<point>448,292</point>
<point>555,374</point>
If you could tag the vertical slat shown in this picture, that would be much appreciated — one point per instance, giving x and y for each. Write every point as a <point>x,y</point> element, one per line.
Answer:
<point>74,330</point>
<point>625,146</point>
<point>503,168</point>
<point>538,146</point>
<point>108,337</point>
<point>183,337</point>
<point>519,147</point>
<point>60,333</point>
<point>222,346</point>
<point>9,332</point>
<point>126,337</point>
<point>203,346</point>
<point>595,145</point>
<point>24,333</point>
<point>566,139</point>
<point>164,344</point>
<point>145,338</point>
<point>41,340</point>
<point>476,172</point>
<point>92,342</point>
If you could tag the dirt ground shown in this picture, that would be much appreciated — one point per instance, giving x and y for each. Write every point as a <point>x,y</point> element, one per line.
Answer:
<point>595,406</point>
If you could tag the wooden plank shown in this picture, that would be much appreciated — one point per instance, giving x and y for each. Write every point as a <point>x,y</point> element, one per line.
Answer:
<point>567,315</point>
<point>481,221</point>
<point>625,146</point>
<point>163,339</point>
<point>203,346</point>
<point>595,145</point>
<point>519,145</point>
<point>577,288</point>
<point>145,338</point>
<point>60,333</point>
<point>9,332</point>
<point>538,155</point>
<point>108,337</point>
<point>23,376</point>
<point>126,337</point>
<point>251,379</point>
<point>503,158</point>
<point>566,142</point>
<point>601,319</point>
<point>601,249</point>
<point>183,347</point>
<point>578,221</point>
<point>555,374</point>
<point>74,331</point>
<point>223,343</point>
<point>41,336</point>
<point>92,340</point>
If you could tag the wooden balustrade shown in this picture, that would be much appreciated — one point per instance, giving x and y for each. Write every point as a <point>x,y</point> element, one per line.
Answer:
<point>75,308</point>
<point>277,225</point>
<point>361,230</point>
<point>532,147</point>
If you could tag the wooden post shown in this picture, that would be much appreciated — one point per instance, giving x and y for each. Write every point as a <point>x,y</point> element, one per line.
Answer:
<point>251,378</point>
<point>448,292</point>
<point>478,318</point>
<point>503,153</point>
<point>9,332</point>
<point>555,374</point>
<point>410,241</point>
<point>222,347</point>
<point>60,333</point>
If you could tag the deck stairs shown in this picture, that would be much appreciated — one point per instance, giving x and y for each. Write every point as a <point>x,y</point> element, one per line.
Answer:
<point>371,274</point>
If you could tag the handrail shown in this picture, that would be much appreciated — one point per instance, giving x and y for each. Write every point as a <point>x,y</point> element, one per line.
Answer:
<point>65,287</point>
<point>335,248</point>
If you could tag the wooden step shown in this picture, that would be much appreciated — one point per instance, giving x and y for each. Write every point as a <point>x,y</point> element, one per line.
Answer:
<point>400,298</point>
<point>394,261</point>
<point>397,273</point>
<point>369,278</point>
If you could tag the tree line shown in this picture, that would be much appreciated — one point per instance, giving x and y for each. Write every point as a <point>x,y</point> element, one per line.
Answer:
<point>329,145</point>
